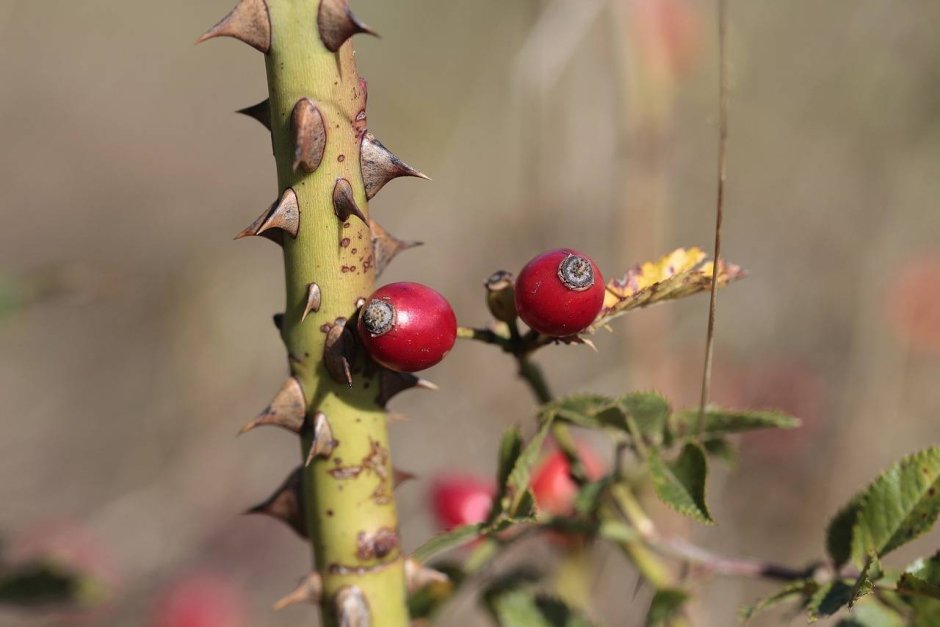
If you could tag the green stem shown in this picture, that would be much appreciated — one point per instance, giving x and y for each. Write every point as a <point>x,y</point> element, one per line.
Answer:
<point>348,497</point>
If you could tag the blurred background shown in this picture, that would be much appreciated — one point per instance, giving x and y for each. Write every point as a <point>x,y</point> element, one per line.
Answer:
<point>136,336</point>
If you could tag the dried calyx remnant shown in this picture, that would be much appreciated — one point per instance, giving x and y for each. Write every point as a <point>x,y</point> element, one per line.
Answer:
<point>329,166</point>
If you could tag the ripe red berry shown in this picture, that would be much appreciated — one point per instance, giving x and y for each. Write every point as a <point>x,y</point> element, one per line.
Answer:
<point>201,600</point>
<point>552,485</point>
<point>407,326</point>
<point>461,500</point>
<point>560,292</point>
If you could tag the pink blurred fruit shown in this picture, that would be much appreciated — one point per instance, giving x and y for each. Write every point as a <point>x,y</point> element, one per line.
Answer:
<point>914,303</point>
<point>461,500</point>
<point>667,35</point>
<point>552,485</point>
<point>201,600</point>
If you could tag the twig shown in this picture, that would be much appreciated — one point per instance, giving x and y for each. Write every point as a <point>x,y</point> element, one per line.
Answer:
<point>723,99</point>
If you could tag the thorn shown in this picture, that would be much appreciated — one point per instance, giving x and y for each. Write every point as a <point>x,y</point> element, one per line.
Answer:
<point>379,166</point>
<point>401,476</point>
<point>344,202</point>
<point>286,504</point>
<point>392,383</point>
<point>260,112</point>
<point>308,590</point>
<point>279,321</point>
<point>418,576</point>
<point>386,246</point>
<point>339,352</point>
<point>248,22</point>
<point>287,410</point>
<point>313,301</point>
<point>283,215</point>
<point>309,135</point>
<point>351,608</point>
<point>323,442</point>
<point>337,24</point>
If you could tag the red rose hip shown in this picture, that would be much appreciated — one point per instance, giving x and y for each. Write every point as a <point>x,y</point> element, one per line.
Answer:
<point>407,326</point>
<point>461,500</point>
<point>560,292</point>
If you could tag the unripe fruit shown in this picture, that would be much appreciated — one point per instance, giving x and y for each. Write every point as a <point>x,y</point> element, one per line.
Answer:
<point>461,500</point>
<point>500,296</point>
<point>552,485</point>
<point>560,292</point>
<point>407,326</point>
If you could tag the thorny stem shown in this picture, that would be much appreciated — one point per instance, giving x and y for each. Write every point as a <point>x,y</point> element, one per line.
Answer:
<point>348,497</point>
<point>720,204</point>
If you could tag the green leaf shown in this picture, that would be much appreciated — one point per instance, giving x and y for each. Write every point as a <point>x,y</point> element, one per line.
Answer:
<point>617,532</point>
<point>517,483</point>
<point>589,496</point>
<point>684,423</point>
<point>43,584</point>
<point>509,450</point>
<point>865,583</point>
<point>871,613</point>
<point>586,410</point>
<point>829,599</point>
<point>666,604</point>
<point>914,585</point>
<point>840,532</point>
<point>721,448</point>
<point>525,608</point>
<point>650,411</point>
<point>447,541</point>
<point>926,569</point>
<point>681,484</point>
<point>803,588</point>
<point>902,504</point>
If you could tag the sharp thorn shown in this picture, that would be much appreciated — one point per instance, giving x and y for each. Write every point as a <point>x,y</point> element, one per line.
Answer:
<point>286,504</point>
<point>314,299</point>
<point>309,129</point>
<point>339,352</point>
<point>260,112</point>
<point>323,442</point>
<point>344,202</point>
<point>287,410</point>
<point>417,576</point>
<point>401,476</point>
<point>379,165</point>
<point>392,383</point>
<point>385,246</point>
<point>309,590</point>
<point>337,24</point>
<point>249,22</point>
<point>284,215</point>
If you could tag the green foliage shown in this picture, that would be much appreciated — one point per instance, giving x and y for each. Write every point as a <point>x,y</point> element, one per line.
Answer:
<point>802,589</point>
<point>828,599</point>
<point>922,578</point>
<point>43,584</point>
<point>720,422</point>
<point>872,614</point>
<point>666,605</point>
<point>525,608</point>
<point>681,483</point>
<point>900,505</point>
<point>448,540</point>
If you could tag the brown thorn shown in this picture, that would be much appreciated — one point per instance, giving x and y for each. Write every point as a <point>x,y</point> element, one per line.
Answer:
<point>339,352</point>
<point>308,590</point>
<point>337,24</point>
<point>379,166</point>
<point>279,321</point>
<point>260,112</point>
<point>248,22</point>
<point>286,504</point>
<point>344,202</point>
<point>314,299</point>
<point>284,215</point>
<point>287,410</point>
<point>401,476</point>
<point>392,383</point>
<point>323,442</point>
<point>417,576</point>
<point>385,246</point>
<point>309,131</point>
<point>352,610</point>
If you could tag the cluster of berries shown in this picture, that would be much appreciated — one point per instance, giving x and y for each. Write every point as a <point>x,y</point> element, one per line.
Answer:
<point>410,327</point>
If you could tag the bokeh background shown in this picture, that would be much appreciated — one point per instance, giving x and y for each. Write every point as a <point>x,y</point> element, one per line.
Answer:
<point>136,337</point>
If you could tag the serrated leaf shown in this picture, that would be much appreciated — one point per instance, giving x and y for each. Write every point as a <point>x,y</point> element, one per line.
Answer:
<point>588,496</point>
<point>926,569</point>
<point>447,541</point>
<point>871,613</point>
<point>681,483</point>
<point>864,583</point>
<point>912,584</point>
<point>721,448</point>
<point>683,272</point>
<point>510,448</point>
<point>828,599</point>
<point>525,608</point>
<point>902,504</point>
<point>585,410</point>
<point>726,421</point>
<point>666,604</point>
<point>650,411</point>
<point>839,533</point>
<point>803,589</point>
<point>517,483</point>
